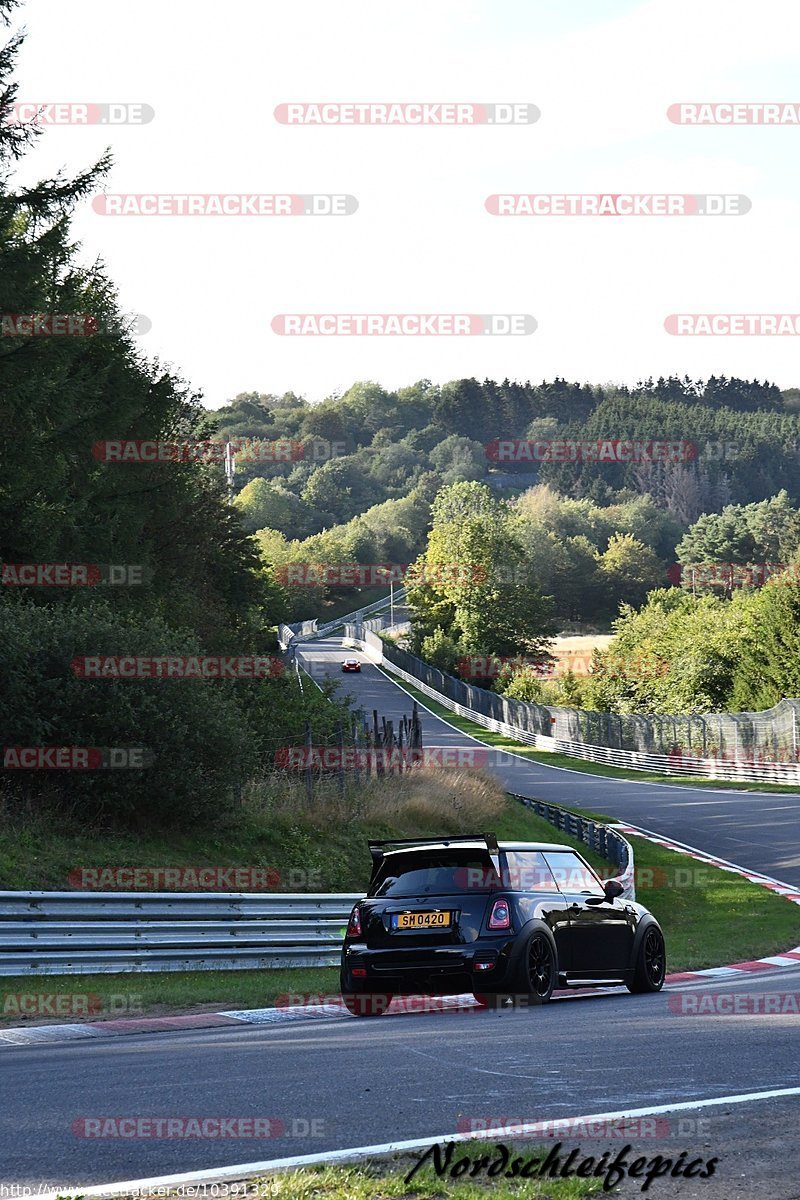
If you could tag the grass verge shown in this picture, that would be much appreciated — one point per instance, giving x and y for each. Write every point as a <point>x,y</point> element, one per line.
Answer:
<point>155,993</point>
<point>710,918</point>
<point>384,1179</point>
<point>321,847</point>
<point>381,1181</point>
<point>549,758</point>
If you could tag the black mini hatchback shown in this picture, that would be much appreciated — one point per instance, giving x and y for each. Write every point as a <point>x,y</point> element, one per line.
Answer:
<point>507,921</point>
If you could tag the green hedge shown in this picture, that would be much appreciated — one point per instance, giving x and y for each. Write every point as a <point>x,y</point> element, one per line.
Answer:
<point>201,741</point>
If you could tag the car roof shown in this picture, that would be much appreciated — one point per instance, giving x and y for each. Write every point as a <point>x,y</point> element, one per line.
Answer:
<point>478,844</point>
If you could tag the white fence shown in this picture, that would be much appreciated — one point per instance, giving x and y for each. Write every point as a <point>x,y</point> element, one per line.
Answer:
<point>736,770</point>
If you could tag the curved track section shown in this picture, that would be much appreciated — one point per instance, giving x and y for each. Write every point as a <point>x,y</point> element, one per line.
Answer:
<point>758,830</point>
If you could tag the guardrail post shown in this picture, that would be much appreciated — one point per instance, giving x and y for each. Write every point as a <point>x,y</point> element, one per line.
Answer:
<point>357,749</point>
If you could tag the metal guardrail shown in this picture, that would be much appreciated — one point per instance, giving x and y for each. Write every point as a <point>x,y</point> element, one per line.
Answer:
<point>106,933</point>
<point>605,840</point>
<point>303,630</point>
<point>295,632</point>
<point>82,933</point>
<point>681,764</point>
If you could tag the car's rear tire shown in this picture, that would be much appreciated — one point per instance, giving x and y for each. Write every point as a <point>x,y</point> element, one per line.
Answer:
<point>535,978</point>
<point>367,1004</point>
<point>538,969</point>
<point>651,963</point>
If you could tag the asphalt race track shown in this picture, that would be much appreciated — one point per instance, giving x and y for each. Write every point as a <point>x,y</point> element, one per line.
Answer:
<point>359,1083</point>
<point>758,830</point>
<point>419,1075</point>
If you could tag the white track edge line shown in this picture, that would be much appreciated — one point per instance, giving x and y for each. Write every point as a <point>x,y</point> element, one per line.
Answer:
<point>361,1152</point>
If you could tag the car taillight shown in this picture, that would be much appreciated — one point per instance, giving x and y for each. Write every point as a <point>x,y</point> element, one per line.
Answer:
<point>500,916</point>
<point>354,924</point>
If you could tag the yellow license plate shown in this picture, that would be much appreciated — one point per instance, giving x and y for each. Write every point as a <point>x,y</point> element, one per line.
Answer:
<point>421,920</point>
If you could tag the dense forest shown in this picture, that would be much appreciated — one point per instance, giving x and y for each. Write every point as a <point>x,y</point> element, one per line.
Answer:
<point>744,440</point>
<point>680,533</point>
<point>367,465</point>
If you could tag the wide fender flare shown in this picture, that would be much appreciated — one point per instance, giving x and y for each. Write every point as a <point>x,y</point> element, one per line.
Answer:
<point>644,924</point>
<point>535,925</point>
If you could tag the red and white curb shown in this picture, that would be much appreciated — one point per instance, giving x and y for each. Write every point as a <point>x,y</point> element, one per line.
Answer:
<point>23,1035</point>
<point>332,1006</point>
<point>790,958</point>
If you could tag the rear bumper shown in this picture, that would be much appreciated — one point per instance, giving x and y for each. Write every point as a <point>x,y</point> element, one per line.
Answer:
<point>437,971</point>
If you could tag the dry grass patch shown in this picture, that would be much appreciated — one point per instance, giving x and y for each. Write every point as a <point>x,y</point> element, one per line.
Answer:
<point>424,798</point>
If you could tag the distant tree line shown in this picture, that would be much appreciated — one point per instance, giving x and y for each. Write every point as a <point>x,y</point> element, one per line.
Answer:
<point>746,439</point>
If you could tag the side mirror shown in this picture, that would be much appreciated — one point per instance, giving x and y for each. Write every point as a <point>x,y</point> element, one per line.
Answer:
<point>613,888</point>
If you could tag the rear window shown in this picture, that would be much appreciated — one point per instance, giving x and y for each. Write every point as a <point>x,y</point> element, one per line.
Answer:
<point>438,873</point>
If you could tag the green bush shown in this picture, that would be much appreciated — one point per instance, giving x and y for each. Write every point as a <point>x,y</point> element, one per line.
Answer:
<point>441,650</point>
<point>202,744</point>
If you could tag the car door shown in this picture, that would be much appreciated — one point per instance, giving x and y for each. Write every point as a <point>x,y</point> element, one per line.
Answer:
<point>601,930</point>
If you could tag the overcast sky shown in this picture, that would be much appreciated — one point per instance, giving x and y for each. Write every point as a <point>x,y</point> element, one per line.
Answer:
<point>602,72</point>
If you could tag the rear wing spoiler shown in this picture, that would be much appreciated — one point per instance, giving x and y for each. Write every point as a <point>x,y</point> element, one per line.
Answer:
<point>378,849</point>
